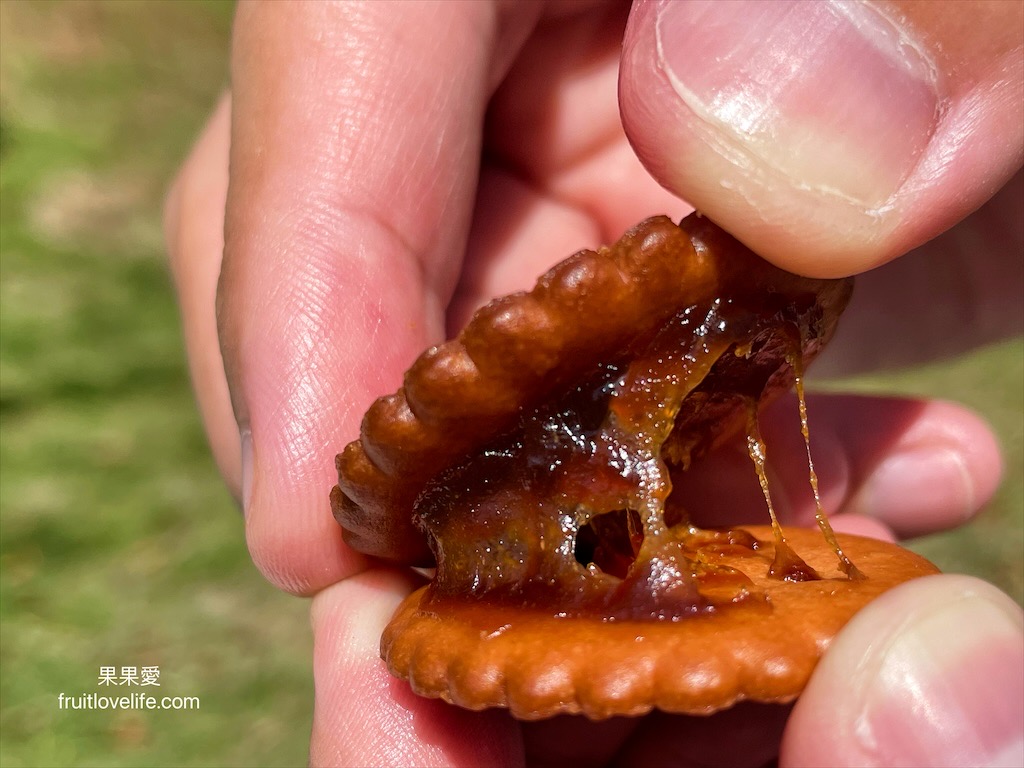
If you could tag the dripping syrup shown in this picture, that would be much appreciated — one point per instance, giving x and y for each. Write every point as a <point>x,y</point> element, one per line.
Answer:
<point>847,566</point>
<point>787,564</point>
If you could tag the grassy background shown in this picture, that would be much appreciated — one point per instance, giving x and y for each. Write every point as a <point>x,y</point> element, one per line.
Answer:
<point>119,545</point>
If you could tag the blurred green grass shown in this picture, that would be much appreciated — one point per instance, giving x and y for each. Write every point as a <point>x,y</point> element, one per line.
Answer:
<point>119,545</point>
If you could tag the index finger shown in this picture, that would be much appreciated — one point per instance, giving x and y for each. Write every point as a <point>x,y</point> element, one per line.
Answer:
<point>355,144</point>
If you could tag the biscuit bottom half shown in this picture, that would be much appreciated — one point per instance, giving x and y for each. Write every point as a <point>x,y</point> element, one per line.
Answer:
<point>538,664</point>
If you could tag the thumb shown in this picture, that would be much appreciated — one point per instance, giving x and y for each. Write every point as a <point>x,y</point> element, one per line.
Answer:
<point>830,137</point>
<point>931,673</point>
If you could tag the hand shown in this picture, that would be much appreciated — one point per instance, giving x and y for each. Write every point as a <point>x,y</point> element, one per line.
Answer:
<point>393,167</point>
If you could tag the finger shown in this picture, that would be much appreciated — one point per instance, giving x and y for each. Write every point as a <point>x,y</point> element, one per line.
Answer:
<point>829,137</point>
<point>931,673</point>
<point>355,142</point>
<point>194,233</point>
<point>916,466</point>
<point>861,525</point>
<point>363,716</point>
<point>554,123</point>
<point>517,235</point>
<point>559,175</point>
<point>939,471</point>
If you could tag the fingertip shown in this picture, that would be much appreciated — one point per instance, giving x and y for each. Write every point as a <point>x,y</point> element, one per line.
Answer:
<point>828,137</point>
<point>713,129</point>
<point>355,133</point>
<point>364,716</point>
<point>201,182</point>
<point>352,613</point>
<point>193,226</point>
<point>931,673</point>
<point>917,466</point>
<point>860,525</point>
<point>294,541</point>
<point>940,472</point>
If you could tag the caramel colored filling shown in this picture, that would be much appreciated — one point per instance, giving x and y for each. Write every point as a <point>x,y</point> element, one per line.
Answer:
<point>572,513</point>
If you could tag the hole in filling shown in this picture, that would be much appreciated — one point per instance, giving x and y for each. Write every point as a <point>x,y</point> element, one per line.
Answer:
<point>610,541</point>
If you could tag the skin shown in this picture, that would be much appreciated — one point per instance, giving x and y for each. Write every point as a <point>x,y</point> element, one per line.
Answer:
<point>375,176</point>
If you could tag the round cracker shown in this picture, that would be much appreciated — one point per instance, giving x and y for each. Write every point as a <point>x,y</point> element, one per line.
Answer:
<point>478,655</point>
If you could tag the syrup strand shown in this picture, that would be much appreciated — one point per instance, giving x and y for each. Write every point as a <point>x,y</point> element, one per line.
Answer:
<point>757,451</point>
<point>847,566</point>
<point>786,564</point>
